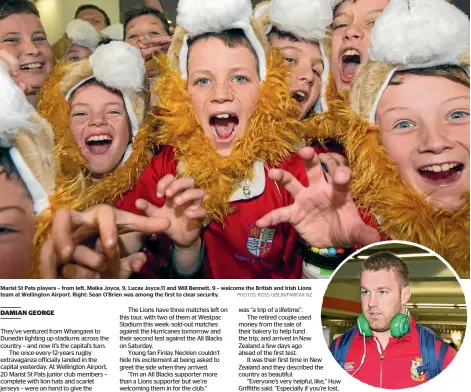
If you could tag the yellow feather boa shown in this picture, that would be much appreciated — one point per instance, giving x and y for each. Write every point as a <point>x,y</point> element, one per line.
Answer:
<point>74,187</point>
<point>377,186</point>
<point>271,136</point>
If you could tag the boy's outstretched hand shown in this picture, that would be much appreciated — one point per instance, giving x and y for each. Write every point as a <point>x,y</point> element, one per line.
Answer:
<point>112,257</point>
<point>324,213</point>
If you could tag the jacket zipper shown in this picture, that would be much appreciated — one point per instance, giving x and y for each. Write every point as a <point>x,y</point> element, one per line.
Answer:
<point>381,357</point>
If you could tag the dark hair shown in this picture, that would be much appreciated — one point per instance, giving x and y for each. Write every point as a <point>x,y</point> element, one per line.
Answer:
<point>277,33</point>
<point>390,262</point>
<point>234,38</point>
<point>105,41</point>
<point>93,7</point>
<point>134,12</point>
<point>7,167</point>
<point>10,7</point>
<point>451,72</point>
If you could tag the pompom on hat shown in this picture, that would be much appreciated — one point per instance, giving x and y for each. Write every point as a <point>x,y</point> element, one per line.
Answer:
<point>198,17</point>
<point>114,32</point>
<point>82,33</point>
<point>305,19</point>
<point>29,139</point>
<point>412,34</point>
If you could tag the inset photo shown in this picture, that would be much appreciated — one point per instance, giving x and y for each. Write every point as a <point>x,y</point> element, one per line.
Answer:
<point>394,315</point>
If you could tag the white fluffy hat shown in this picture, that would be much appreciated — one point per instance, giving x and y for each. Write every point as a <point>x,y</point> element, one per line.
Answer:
<point>335,3</point>
<point>198,17</point>
<point>306,19</point>
<point>418,34</point>
<point>114,32</point>
<point>82,33</point>
<point>29,140</point>
<point>119,66</point>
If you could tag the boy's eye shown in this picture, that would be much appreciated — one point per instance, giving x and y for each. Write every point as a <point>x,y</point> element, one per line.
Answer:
<point>202,81</point>
<point>79,114</point>
<point>114,112</point>
<point>74,59</point>
<point>458,115</point>
<point>336,26</point>
<point>39,39</point>
<point>404,124</point>
<point>290,60</point>
<point>12,40</point>
<point>6,230</point>
<point>316,72</point>
<point>132,36</point>
<point>154,33</point>
<point>240,79</point>
<point>364,292</point>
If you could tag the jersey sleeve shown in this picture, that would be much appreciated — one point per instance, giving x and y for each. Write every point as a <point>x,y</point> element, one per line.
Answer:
<point>146,185</point>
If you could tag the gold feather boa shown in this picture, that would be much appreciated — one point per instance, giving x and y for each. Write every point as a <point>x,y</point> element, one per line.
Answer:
<point>74,187</point>
<point>271,136</point>
<point>377,187</point>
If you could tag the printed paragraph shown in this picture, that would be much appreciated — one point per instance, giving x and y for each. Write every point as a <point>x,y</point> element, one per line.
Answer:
<point>51,359</point>
<point>191,337</point>
<point>269,342</point>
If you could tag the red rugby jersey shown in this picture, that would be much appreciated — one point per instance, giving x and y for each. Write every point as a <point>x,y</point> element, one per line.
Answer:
<point>237,248</point>
<point>394,369</point>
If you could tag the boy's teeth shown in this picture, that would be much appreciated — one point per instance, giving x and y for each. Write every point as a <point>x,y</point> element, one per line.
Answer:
<point>300,93</point>
<point>98,138</point>
<point>31,66</point>
<point>440,168</point>
<point>351,52</point>
<point>222,115</point>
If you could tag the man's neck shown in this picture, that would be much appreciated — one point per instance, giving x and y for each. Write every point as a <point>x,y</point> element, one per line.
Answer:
<point>383,337</point>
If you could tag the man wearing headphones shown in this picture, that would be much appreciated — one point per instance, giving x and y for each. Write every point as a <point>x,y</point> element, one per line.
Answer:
<point>387,349</point>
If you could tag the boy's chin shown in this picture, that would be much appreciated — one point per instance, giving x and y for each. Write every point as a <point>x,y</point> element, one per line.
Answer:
<point>224,151</point>
<point>446,203</point>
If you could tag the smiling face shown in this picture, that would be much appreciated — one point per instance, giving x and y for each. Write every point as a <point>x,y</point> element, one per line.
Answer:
<point>16,228</point>
<point>224,85</point>
<point>142,26</point>
<point>382,297</point>
<point>77,53</point>
<point>23,36</point>
<point>351,38</point>
<point>305,60</point>
<point>100,127</point>
<point>425,130</point>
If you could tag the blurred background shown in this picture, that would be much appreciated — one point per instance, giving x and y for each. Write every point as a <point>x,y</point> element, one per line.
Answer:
<point>55,14</point>
<point>437,298</point>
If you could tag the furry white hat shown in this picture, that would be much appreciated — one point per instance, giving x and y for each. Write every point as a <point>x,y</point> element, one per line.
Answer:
<point>305,19</point>
<point>119,66</point>
<point>198,17</point>
<point>418,34</point>
<point>114,32</point>
<point>82,33</point>
<point>28,140</point>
